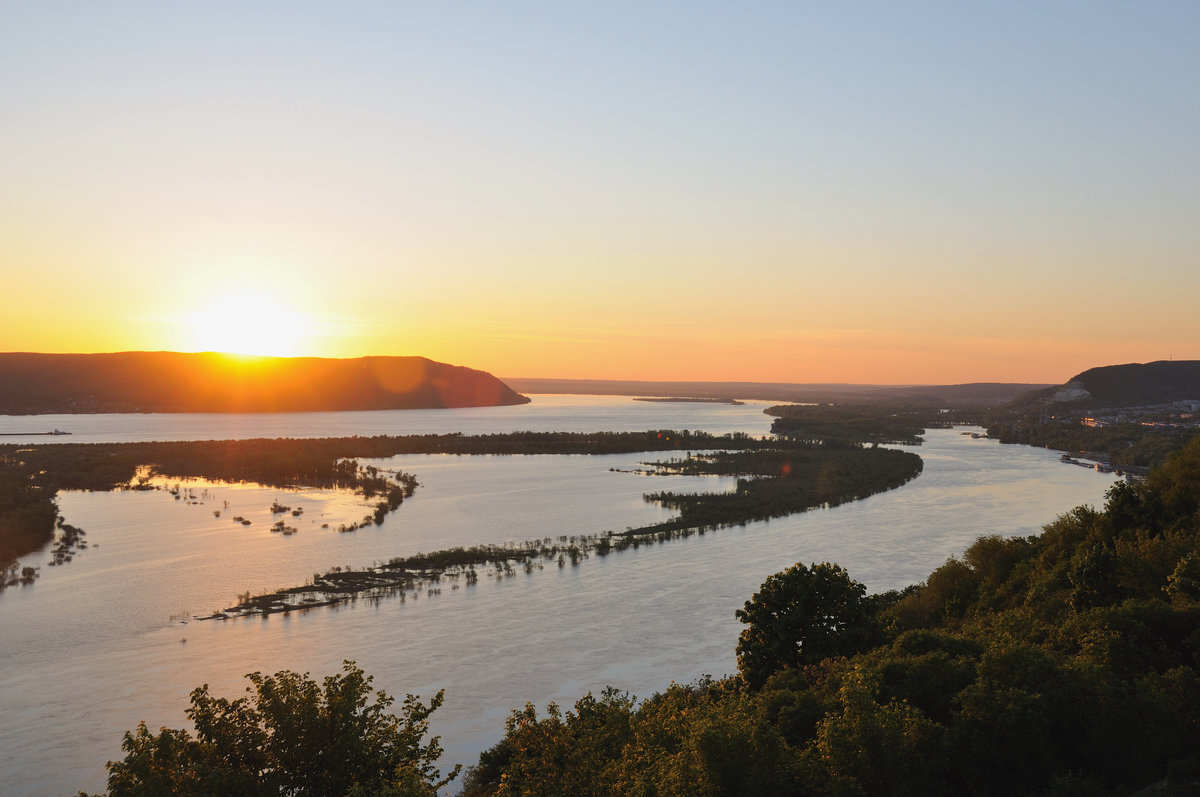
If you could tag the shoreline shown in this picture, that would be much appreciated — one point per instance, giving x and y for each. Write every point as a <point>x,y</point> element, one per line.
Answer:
<point>690,400</point>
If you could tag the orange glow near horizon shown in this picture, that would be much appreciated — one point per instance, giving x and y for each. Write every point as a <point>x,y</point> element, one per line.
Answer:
<point>251,322</point>
<point>722,206</point>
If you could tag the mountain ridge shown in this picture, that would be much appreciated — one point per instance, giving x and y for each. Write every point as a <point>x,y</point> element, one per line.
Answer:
<point>989,393</point>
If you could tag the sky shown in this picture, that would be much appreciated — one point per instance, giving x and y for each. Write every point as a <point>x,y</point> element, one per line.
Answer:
<point>871,192</point>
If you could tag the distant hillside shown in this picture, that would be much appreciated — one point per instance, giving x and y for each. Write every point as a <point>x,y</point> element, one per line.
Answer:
<point>979,393</point>
<point>1130,385</point>
<point>1128,415</point>
<point>177,382</point>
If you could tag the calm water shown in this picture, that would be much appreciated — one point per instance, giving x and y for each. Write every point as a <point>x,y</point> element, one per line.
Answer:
<point>546,413</point>
<point>99,644</point>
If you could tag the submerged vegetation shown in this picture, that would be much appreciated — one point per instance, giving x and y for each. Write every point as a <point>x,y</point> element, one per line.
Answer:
<point>28,516</point>
<point>31,476</point>
<point>772,482</point>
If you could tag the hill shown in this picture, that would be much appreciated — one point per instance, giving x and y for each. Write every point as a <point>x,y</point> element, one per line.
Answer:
<point>208,382</point>
<point>1127,415</point>
<point>1117,386</point>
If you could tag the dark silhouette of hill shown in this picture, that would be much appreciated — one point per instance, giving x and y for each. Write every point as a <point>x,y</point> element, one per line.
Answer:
<point>977,394</point>
<point>1135,384</point>
<point>210,382</point>
<point>1129,385</point>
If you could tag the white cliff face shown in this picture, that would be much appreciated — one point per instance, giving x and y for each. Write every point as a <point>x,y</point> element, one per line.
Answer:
<point>1070,392</point>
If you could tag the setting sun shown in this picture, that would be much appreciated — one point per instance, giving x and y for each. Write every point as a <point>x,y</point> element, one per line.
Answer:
<point>248,323</point>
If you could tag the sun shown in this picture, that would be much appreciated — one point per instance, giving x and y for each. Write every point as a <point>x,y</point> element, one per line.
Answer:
<point>248,322</point>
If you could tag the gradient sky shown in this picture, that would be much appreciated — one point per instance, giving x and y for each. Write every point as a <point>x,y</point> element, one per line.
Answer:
<point>803,192</point>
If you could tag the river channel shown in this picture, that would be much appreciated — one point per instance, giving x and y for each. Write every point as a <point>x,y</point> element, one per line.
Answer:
<point>108,639</point>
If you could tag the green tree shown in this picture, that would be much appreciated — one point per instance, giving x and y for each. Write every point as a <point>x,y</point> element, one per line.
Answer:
<point>570,754</point>
<point>1093,576</point>
<point>801,616</point>
<point>872,749</point>
<point>1184,581</point>
<point>710,739</point>
<point>290,736</point>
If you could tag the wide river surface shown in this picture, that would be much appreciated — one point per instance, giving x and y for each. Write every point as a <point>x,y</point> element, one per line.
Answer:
<point>108,639</point>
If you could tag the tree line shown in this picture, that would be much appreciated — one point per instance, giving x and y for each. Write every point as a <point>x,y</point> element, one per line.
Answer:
<point>779,482</point>
<point>870,422</point>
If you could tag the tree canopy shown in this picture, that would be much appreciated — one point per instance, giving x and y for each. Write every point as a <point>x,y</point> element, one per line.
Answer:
<point>801,616</point>
<point>288,736</point>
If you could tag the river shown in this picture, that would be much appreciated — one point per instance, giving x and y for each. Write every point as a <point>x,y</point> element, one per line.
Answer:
<point>106,640</point>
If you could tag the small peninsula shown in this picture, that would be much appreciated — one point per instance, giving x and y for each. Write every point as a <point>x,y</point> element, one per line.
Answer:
<point>139,381</point>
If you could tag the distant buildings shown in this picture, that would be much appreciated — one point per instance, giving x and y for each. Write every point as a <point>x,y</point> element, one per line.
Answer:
<point>1177,415</point>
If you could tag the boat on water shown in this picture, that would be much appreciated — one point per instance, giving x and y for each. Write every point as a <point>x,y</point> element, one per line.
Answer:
<point>56,432</point>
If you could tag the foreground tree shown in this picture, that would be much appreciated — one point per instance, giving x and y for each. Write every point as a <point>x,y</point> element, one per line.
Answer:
<point>801,616</point>
<point>707,739</point>
<point>290,736</point>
